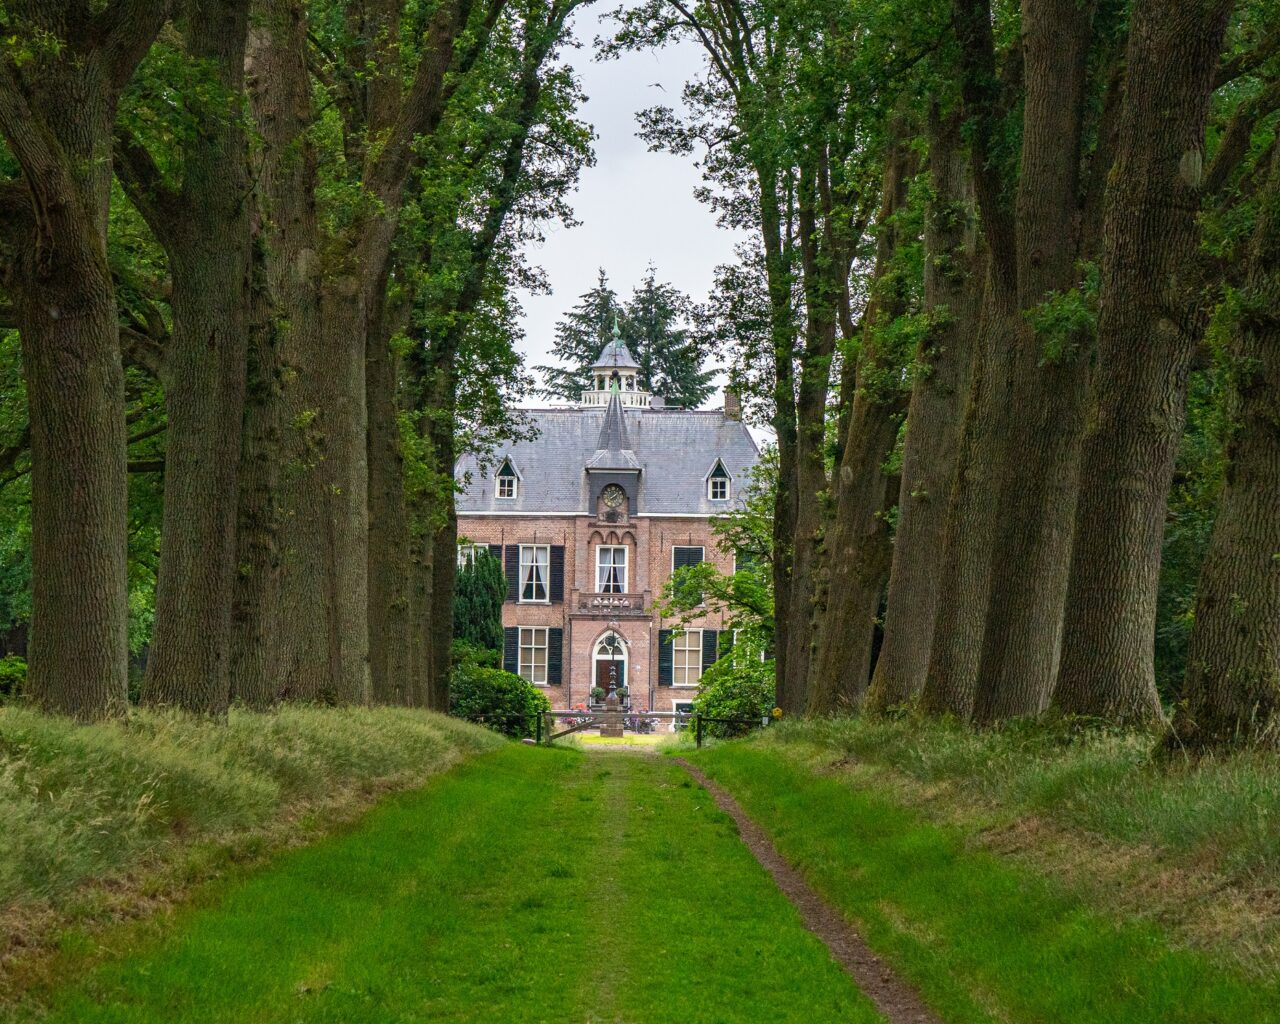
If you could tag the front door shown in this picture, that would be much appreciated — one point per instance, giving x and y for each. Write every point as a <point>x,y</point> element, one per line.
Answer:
<point>605,674</point>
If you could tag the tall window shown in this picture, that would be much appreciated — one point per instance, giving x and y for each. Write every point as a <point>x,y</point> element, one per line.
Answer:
<point>611,570</point>
<point>686,658</point>
<point>535,560</point>
<point>533,654</point>
<point>507,481</point>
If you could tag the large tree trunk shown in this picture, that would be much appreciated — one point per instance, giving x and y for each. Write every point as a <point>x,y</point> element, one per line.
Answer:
<point>280,95</point>
<point>343,482</point>
<point>943,366</point>
<point>1147,339</point>
<point>255,629</point>
<point>1041,465</point>
<point>1232,692</point>
<point>973,511</point>
<point>56,116</point>
<point>389,559</point>
<point>791,686</point>
<point>857,543</point>
<point>205,230</point>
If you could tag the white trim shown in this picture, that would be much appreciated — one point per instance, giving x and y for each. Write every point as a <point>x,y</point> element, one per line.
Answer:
<point>679,635</point>
<point>533,645</point>
<point>546,583</point>
<point>626,567</point>
<point>596,658</point>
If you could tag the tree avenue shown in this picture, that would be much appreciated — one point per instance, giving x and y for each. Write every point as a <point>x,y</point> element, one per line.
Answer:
<point>1006,304</point>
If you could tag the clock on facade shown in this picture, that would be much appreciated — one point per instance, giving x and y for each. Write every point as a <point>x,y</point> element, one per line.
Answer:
<point>613,496</point>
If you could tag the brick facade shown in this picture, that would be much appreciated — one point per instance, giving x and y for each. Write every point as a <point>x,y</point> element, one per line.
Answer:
<point>584,615</point>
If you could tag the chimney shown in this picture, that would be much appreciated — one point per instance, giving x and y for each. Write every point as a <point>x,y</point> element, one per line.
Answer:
<point>732,405</point>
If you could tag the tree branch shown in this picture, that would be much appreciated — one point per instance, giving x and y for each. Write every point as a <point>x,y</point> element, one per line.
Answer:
<point>145,186</point>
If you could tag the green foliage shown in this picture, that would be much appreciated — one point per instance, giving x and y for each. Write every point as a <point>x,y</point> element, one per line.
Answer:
<point>739,685</point>
<point>656,324</point>
<point>13,676</point>
<point>488,696</point>
<point>479,590</point>
<point>1067,322</point>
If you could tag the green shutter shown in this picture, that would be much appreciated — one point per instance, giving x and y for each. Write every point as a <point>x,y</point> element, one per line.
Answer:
<point>555,657</point>
<point>511,649</point>
<point>665,655</point>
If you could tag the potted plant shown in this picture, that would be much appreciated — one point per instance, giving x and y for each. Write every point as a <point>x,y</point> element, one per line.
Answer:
<point>597,694</point>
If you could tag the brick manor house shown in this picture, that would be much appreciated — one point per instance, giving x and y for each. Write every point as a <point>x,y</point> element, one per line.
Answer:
<point>590,519</point>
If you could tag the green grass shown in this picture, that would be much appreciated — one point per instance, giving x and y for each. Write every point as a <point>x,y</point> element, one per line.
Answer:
<point>528,885</point>
<point>85,802</point>
<point>1222,814</point>
<point>984,939</point>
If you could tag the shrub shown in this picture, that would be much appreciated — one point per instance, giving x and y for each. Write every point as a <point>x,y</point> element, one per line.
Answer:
<point>478,593</point>
<point>733,689</point>
<point>13,676</point>
<point>491,697</point>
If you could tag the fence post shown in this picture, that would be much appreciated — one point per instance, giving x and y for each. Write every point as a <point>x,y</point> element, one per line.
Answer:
<point>538,740</point>
<point>697,728</point>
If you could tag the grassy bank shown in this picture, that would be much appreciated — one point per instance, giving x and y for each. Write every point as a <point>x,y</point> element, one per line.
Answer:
<point>537,886</point>
<point>1036,874</point>
<point>139,807</point>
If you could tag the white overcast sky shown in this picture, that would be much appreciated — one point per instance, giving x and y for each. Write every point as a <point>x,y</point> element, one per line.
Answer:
<point>635,207</point>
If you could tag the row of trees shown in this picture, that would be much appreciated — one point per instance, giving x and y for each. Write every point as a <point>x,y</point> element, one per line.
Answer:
<point>260,258</point>
<point>998,252</point>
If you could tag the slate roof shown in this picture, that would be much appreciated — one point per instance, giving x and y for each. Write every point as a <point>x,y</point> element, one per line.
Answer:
<point>675,451</point>
<point>613,448</point>
<point>616,356</point>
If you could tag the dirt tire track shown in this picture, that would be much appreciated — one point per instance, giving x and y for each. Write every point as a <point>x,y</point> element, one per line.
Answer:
<point>896,1000</point>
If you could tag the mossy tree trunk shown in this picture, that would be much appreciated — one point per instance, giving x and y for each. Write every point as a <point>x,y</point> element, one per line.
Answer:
<point>1148,333</point>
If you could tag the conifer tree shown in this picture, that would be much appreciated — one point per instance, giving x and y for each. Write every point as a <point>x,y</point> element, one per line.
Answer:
<point>656,327</point>
<point>478,592</point>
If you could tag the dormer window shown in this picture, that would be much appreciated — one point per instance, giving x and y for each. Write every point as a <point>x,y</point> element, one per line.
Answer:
<point>718,483</point>
<point>508,482</point>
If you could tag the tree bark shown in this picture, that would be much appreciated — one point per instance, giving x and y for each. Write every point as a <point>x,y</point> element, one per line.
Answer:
<point>1041,462</point>
<point>255,628</point>
<point>1147,339</point>
<point>389,558</point>
<point>204,229</point>
<point>943,366</point>
<point>857,542</point>
<point>56,116</point>
<point>964,576</point>
<point>280,96</point>
<point>1232,689</point>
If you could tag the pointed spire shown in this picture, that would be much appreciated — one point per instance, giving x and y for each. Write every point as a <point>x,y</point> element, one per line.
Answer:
<point>613,450</point>
<point>613,432</point>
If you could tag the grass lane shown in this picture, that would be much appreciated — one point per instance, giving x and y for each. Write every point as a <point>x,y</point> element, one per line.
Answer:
<point>525,886</point>
<point>984,940</point>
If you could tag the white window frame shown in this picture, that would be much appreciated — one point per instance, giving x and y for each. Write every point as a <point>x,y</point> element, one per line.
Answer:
<point>600,568</point>
<point>508,480</point>
<point>714,482</point>
<point>529,566</point>
<point>676,724</point>
<point>467,554</point>
<point>680,644</point>
<point>532,640</point>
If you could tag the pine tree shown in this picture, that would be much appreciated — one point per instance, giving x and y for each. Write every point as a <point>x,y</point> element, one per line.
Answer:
<point>478,592</point>
<point>655,325</point>
<point>657,332</point>
<point>579,338</point>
